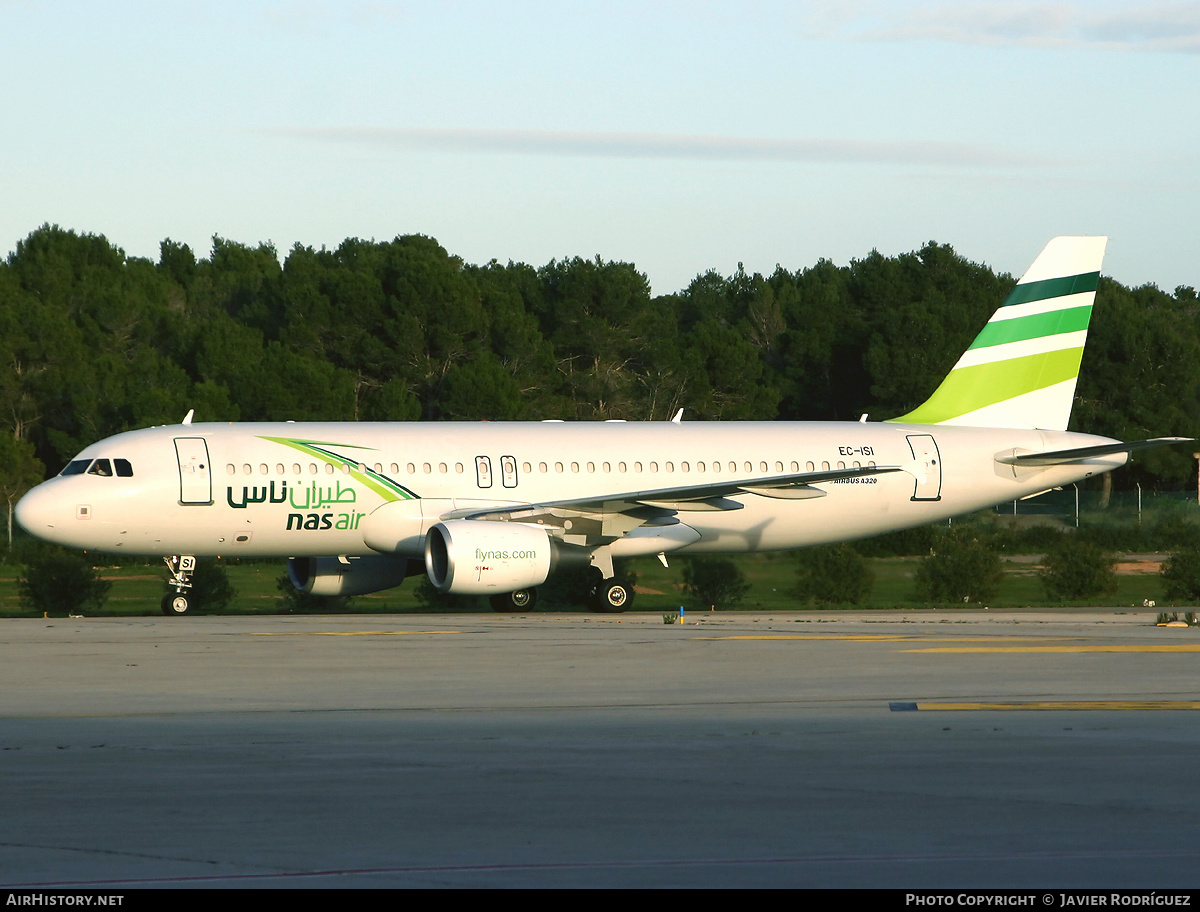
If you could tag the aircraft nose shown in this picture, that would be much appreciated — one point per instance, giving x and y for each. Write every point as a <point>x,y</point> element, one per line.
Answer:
<point>38,512</point>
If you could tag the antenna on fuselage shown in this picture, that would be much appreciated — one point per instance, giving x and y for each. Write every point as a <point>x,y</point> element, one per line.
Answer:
<point>187,419</point>
<point>678,417</point>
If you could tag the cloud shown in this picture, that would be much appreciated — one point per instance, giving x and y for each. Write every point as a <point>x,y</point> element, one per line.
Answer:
<point>665,146</point>
<point>1113,25</point>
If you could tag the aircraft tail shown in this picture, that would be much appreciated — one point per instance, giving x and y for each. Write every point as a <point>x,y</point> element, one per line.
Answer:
<point>1020,371</point>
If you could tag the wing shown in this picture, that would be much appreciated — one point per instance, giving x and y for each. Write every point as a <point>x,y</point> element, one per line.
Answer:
<point>597,520</point>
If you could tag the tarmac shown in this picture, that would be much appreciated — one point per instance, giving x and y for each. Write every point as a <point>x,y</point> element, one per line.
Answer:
<point>907,749</point>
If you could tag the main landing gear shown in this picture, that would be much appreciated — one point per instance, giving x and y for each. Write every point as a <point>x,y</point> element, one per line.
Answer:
<point>179,603</point>
<point>611,596</point>
<point>521,600</point>
<point>607,595</point>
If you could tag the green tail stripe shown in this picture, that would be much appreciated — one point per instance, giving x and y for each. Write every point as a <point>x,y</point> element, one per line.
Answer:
<point>970,388</point>
<point>1053,288</point>
<point>1070,319</point>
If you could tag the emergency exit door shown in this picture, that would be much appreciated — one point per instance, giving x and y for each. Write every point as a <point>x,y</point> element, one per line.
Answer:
<point>195,478</point>
<point>924,450</point>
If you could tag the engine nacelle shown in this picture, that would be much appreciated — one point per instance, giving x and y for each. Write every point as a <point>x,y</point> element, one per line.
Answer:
<point>482,557</point>
<point>349,576</point>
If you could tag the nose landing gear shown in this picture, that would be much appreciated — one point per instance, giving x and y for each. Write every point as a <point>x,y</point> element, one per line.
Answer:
<point>182,566</point>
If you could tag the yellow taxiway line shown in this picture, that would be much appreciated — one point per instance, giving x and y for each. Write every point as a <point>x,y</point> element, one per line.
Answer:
<point>1070,705</point>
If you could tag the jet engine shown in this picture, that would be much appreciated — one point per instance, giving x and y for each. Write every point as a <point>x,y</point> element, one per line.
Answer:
<point>482,557</point>
<point>348,575</point>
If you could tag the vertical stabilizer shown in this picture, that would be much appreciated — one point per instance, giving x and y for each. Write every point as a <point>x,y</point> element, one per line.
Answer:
<point>1020,371</point>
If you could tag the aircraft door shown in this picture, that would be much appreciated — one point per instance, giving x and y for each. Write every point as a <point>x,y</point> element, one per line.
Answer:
<point>483,471</point>
<point>924,450</point>
<point>195,479</point>
<point>508,471</point>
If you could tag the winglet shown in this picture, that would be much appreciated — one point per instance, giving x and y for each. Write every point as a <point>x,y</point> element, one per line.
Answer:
<point>1021,370</point>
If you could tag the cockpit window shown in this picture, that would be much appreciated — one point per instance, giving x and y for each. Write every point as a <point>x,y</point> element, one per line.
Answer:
<point>76,467</point>
<point>101,467</point>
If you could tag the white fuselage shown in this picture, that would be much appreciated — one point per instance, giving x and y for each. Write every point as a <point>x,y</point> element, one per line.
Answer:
<point>272,489</point>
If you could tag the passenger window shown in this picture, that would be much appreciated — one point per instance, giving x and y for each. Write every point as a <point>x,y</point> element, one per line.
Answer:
<point>101,467</point>
<point>124,469</point>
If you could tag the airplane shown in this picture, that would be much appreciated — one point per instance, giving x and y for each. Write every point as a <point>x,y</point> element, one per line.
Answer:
<point>494,508</point>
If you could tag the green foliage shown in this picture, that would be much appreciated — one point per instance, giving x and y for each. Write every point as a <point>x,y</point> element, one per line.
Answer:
<point>833,575</point>
<point>1182,574</point>
<point>962,567</point>
<point>714,582</point>
<point>61,582</point>
<point>97,342</point>
<point>1077,569</point>
<point>211,589</point>
<point>905,543</point>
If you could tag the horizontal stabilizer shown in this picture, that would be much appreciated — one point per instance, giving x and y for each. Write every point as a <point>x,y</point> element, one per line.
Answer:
<point>1079,454</point>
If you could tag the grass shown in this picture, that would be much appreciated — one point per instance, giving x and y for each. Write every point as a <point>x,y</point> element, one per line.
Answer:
<point>136,590</point>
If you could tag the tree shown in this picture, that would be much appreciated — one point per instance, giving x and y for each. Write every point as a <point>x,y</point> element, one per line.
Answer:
<point>960,568</point>
<point>1076,569</point>
<point>1181,571</point>
<point>714,583</point>
<point>62,582</point>
<point>20,470</point>
<point>832,575</point>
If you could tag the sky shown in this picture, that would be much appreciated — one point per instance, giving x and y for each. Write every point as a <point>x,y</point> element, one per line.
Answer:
<point>679,136</point>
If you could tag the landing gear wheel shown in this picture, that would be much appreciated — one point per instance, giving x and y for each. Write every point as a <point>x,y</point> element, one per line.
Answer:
<point>612,596</point>
<point>175,605</point>
<point>521,600</point>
